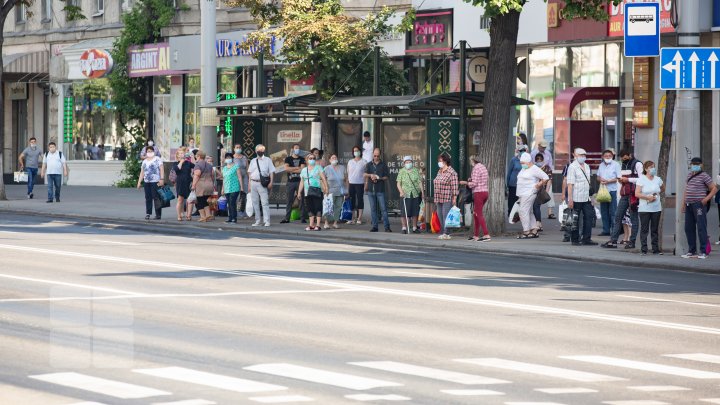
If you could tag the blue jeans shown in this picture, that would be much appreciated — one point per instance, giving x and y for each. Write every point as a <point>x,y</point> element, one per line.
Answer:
<point>54,181</point>
<point>696,227</point>
<point>607,211</point>
<point>377,200</point>
<point>32,172</point>
<point>619,214</point>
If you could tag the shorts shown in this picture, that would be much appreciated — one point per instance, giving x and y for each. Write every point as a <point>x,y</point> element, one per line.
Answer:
<point>202,202</point>
<point>314,206</point>
<point>413,207</point>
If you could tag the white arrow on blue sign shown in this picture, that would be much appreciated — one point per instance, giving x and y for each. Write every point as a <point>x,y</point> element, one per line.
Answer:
<point>689,68</point>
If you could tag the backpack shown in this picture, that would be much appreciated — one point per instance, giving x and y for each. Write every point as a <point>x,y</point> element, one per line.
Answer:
<point>60,152</point>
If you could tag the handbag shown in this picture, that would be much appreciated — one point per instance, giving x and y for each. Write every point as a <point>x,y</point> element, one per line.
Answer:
<point>192,197</point>
<point>466,196</point>
<point>165,192</point>
<point>160,203</point>
<point>328,208</point>
<point>312,191</point>
<point>543,196</point>
<point>514,216</point>
<point>20,177</point>
<point>264,181</point>
<point>435,226</point>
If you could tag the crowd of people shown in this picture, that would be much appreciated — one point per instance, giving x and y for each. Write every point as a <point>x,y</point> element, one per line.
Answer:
<point>628,196</point>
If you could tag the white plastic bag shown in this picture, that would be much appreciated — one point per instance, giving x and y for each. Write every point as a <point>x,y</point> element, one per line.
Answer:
<point>328,209</point>
<point>249,207</point>
<point>513,212</point>
<point>468,214</point>
<point>561,210</point>
<point>453,218</point>
<point>597,213</point>
<point>192,198</point>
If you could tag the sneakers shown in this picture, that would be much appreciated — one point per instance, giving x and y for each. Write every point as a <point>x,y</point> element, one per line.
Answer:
<point>284,221</point>
<point>609,245</point>
<point>267,224</point>
<point>590,243</point>
<point>690,256</point>
<point>702,256</point>
<point>30,196</point>
<point>374,230</point>
<point>256,224</point>
<point>630,245</point>
<point>388,230</point>
<point>444,237</point>
<point>49,201</point>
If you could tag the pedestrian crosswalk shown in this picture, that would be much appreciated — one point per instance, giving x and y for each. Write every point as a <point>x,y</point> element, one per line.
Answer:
<point>498,380</point>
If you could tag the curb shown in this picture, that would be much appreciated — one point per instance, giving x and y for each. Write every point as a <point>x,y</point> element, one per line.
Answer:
<point>165,228</point>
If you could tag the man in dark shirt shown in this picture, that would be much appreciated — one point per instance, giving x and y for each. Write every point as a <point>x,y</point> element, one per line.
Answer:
<point>293,166</point>
<point>376,174</point>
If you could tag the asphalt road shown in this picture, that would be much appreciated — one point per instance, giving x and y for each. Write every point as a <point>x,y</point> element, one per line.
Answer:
<point>93,315</point>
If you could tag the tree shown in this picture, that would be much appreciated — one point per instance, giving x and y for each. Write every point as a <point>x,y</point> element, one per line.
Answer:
<point>504,23</point>
<point>320,40</point>
<point>664,154</point>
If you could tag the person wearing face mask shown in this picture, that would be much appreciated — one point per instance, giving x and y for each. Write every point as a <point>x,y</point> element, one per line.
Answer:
<point>150,146</point>
<point>647,190</point>
<point>152,174</point>
<point>232,186</point>
<point>608,174</point>
<point>410,185</point>
<point>542,149</point>
<point>529,182</point>
<point>313,187</point>
<point>318,157</point>
<point>293,166</point>
<point>337,181</point>
<point>241,161</point>
<point>53,168</point>
<point>29,161</point>
<point>376,174</point>
<point>261,168</point>
<point>629,172</point>
<point>699,191</point>
<point>511,179</point>
<point>537,207</point>
<point>356,177</point>
<point>578,183</point>
<point>479,184</point>
<point>367,147</point>
<point>183,169</point>
<point>446,189</point>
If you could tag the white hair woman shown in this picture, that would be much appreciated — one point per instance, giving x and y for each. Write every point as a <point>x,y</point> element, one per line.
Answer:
<point>529,181</point>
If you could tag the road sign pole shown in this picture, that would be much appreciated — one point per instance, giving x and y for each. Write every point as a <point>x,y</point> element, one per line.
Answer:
<point>687,138</point>
<point>208,73</point>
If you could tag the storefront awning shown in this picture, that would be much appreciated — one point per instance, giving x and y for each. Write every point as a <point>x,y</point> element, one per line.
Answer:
<point>288,101</point>
<point>473,99</point>
<point>28,67</point>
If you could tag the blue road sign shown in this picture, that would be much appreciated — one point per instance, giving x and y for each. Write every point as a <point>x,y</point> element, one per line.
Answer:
<point>689,69</point>
<point>642,29</point>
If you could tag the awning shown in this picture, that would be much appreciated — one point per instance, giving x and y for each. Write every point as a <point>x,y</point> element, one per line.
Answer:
<point>366,102</point>
<point>473,99</point>
<point>302,100</point>
<point>27,67</point>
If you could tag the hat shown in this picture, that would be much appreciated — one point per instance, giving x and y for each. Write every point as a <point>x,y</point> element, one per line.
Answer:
<point>406,158</point>
<point>543,143</point>
<point>525,157</point>
<point>696,160</point>
<point>580,151</point>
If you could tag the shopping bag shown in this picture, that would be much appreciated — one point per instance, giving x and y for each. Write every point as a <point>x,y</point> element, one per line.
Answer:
<point>192,197</point>
<point>603,195</point>
<point>160,204</point>
<point>213,202</point>
<point>421,216</point>
<point>295,214</point>
<point>222,203</point>
<point>249,207</point>
<point>514,216</point>
<point>435,226</point>
<point>165,192</point>
<point>469,214</point>
<point>346,213</point>
<point>561,211</point>
<point>328,209</point>
<point>20,177</point>
<point>453,218</point>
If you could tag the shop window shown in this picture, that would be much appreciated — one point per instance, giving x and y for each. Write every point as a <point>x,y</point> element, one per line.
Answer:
<point>166,131</point>
<point>94,133</point>
<point>192,109</point>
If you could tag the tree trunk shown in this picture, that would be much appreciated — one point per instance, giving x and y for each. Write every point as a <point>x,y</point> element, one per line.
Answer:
<point>3,195</point>
<point>496,114</point>
<point>664,155</point>
<point>328,132</point>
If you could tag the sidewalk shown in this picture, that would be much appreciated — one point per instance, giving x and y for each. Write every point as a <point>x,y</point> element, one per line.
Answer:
<point>126,208</point>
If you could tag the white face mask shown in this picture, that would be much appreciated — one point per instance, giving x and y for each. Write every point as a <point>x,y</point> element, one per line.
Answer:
<point>581,159</point>
<point>408,166</point>
<point>333,162</point>
<point>151,143</point>
<point>441,164</point>
<point>357,153</point>
<point>150,155</point>
<point>608,161</point>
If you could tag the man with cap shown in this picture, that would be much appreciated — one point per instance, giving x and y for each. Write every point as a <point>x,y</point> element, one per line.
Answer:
<point>578,186</point>
<point>367,147</point>
<point>630,171</point>
<point>699,190</point>
<point>410,185</point>
<point>542,148</point>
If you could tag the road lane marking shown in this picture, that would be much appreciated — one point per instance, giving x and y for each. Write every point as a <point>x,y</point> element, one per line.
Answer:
<point>706,358</point>
<point>632,281</point>
<point>658,388</point>
<point>210,380</point>
<point>431,275</point>
<point>711,400</point>
<point>100,385</point>
<point>83,286</point>
<point>187,402</point>
<point>256,257</point>
<point>396,292</point>
<point>558,391</point>
<point>651,367</point>
<point>427,372</point>
<point>371,397</point>
<point>315,375</point>
<point>666,300</point>
<point>472,393</point>
<point>547,371</point>
<point>281,399</point>
<point>636,402</point>
<point>532,403</point>
<point>117,242</point>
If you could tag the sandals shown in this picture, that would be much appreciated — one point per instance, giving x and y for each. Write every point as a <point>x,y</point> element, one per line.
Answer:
<point>525,236</point>
<point>309,228</point>
<point>552,216</point>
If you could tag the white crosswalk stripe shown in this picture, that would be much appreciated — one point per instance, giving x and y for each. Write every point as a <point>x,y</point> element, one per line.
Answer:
<point>555,391</point>
<point>281,399</point>
<point>187,402</point>
<point>315,375</point>
<point>100,385</point>
<point>651,367</point>
<point>707,358</point>
<point>711,400</point>
<point>472,393</point>
<point>210,380</point>
<point>532,403</point>
<point>371,397</point>
<point>658,388</point>
<point>548,371</point>
<point>431,373</point>
<point>636,402</point>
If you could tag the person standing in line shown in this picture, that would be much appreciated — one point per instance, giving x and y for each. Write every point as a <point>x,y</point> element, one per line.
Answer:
<point>152,174</point>
<point>547,166</point>
<point>293,166</point>
<point>412,193</point>
<point>261,168</point>
<point>717,201</point>
<point>376,174</point>
<point>699,190</point>
<point>511,178</point>
<point>150,146</point>
<point>647,190</point>
<point>537,207</point>
<point>578,183</point>
<point>337,181</point>
<point>241,161</point>
<point>478,182</point>
<point>446,189</point>
<point>608,174</point>
<point>53,168</point>
<point>356,177</point>
<point>183,168</point>
<point>203,185</point>
<point>29,161</point>
<point>319,160</point>
<point>367,147</point>
<point>530,180</point>
<point>629,172</point>
<point>313,187</point>
<point>232,185</point>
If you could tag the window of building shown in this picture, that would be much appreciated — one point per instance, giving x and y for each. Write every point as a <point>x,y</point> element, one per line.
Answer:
<point>72,4</point>
<point>100,6</point>
<point>46,6</point>
<point>192,109</point>
<point>20,13</point>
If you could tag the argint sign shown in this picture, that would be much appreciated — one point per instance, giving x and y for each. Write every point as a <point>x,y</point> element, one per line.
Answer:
<point>95,63</point>
<point>616,23</point>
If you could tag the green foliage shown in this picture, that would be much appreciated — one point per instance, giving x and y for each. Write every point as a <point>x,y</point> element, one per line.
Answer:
<point>131,167</point>
<point>592,9</point>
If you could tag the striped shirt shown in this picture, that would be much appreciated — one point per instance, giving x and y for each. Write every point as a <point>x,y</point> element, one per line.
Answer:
<point>479,178</point>
<point>697,187</point>
<point>579,177</point>
<point>446,185</point>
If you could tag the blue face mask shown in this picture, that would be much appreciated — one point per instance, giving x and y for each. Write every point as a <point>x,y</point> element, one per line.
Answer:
<point>539,164</point>
<point>695,168</point>
<point>653,171</point>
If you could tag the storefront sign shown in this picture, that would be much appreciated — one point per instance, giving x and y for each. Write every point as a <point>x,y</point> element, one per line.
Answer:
<point>616,23</point>
<point>18,91</point>
<point>289,136</point>
<point>226,48</point>
<point>477,69</point>
<point>150,60</point>
<point>552,15</point>
<point>432,32</point>
<point>95,63</point>
<point>609,110</point>
<point>642,92</point>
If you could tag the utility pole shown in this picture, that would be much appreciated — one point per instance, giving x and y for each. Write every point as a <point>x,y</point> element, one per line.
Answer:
<point>261,84</point>
<point>463,109</point>
<point>377,121</point>
<point>208,74</point>
<point>687,138</point>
